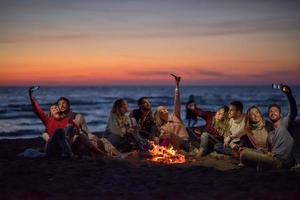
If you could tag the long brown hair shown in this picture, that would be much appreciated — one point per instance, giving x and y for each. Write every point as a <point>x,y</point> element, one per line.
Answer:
<point>222,126</point>
<point>116,109</point>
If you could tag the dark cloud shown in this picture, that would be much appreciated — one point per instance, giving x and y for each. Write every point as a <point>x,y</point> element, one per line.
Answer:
<point>45,38</point>
<point>288,76</point>
<point>288,72</point>
<point>184,71</point>
<point>208,73</point>
<point>135,19</point>
<point>288,26</point>
<point>149,73</point>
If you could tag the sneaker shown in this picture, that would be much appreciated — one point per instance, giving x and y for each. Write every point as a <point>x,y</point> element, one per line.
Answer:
<point>296,166</point>
<point>241,165</point>
<point>194,152</point>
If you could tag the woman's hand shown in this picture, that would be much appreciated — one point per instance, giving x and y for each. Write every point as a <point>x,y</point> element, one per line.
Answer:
<point>234,146</point>
<point>32,89</point>
<point>177,78</point>
<point>130,130</point>
<point>262,150</point>
<point>227,140</point>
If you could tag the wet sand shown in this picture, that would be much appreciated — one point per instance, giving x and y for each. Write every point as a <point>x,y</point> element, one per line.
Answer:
<point>211,177</point>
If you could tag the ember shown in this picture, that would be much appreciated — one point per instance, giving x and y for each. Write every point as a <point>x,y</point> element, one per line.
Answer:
<point>165,155</point>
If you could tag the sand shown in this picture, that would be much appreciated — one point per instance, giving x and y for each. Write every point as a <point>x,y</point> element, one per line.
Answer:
<point>211,177</point>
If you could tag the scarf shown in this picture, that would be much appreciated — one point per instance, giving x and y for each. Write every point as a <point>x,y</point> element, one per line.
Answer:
<point>258,126</point>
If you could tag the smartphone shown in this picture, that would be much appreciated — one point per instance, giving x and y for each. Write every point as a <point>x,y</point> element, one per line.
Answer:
<point>277,86</point>
<point>35,88</point>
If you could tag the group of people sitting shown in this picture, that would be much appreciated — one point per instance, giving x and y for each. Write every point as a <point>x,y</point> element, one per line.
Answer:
<point>250,137</point>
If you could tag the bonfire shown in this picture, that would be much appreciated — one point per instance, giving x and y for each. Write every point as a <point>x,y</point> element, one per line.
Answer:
<point>165,155</point>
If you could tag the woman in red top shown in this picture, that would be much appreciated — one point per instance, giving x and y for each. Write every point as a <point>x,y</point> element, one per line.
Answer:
<point>60,130</point>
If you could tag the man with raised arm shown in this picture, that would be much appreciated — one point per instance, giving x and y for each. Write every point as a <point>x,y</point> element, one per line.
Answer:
<point>280,140</point>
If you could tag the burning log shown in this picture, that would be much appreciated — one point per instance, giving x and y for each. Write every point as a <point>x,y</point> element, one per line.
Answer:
<point>165,155</point>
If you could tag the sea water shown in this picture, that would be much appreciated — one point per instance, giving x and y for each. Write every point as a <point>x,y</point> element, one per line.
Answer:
<point>17,119</point>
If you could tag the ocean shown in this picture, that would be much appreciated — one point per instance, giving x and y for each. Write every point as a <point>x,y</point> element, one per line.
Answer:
<point>17,119</point>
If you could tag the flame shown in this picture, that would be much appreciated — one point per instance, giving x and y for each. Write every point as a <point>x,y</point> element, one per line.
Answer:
<point>165,155</point>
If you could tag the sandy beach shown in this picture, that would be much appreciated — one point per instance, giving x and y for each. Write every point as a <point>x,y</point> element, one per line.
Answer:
<point>211,177</point>
<point>155,61</point>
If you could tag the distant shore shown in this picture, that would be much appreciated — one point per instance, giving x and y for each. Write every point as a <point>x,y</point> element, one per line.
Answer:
<point>210,177</point>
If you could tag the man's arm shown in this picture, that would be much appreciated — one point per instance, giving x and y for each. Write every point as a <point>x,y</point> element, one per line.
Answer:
<point>291,104</point>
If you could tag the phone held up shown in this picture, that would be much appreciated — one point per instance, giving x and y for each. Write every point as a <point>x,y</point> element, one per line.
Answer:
<point>34,88</point>
<point>279,86</point>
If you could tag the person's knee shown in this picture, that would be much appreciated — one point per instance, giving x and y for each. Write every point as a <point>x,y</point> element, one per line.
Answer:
<point>59,134</point>
<point>69,131</point>
<point>69,127</point>
<point>204,136</point>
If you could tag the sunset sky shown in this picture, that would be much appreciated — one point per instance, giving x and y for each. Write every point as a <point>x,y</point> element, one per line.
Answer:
<point>139,42</point>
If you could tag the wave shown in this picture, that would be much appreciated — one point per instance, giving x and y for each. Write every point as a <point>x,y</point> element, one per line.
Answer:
<point>80,103</point>
<point>38,123</point>
<point>3,111</point>
<point>28,132</point>
<point>96,122</point>
<point>95,102</point>
<point>18,116</point>
<point>25,107</point>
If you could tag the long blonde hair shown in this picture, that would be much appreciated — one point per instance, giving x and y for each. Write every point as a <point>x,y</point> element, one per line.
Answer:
<point>157,119</point>
<point>49,110</point>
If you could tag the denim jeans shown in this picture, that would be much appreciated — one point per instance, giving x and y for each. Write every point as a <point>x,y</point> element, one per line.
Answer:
<point>219,148</point>
<point>258,159</point>
<point>128,142</point>
<point>58,145</point>
<point>207,140</point>
<point>193,138</point>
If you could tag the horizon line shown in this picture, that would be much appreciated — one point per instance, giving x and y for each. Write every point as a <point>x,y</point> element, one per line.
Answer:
<point>133,85</point>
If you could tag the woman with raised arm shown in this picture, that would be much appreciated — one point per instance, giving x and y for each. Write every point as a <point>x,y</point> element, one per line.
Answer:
<point>280,141</point>
<point>63,138</point>
<point>60,130</point>
<point>171,128</point>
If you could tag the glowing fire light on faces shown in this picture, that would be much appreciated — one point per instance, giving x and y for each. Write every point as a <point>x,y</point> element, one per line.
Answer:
<point>165,155</point>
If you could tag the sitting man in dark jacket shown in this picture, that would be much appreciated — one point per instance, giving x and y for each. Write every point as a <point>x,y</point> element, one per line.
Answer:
<point>144,118</point>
